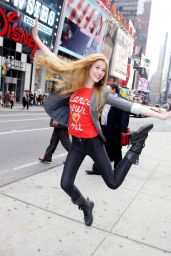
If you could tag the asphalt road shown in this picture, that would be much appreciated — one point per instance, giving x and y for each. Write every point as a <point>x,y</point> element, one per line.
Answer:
<point>24,136</point>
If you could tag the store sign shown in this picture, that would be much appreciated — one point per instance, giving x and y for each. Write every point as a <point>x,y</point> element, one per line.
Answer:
<point>17,19</point>
<point>84,28</point>
<point>15,32</point>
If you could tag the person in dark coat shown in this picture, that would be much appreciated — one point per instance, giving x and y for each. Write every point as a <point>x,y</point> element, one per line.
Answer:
<point>114,122</point>
<point>60,133</point>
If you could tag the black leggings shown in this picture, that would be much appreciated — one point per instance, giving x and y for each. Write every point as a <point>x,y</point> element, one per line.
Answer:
<point>96,150</point>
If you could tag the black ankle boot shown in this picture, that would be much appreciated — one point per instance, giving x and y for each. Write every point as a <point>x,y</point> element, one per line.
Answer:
<point>138,142</point>
<point>87,206</point>
<point>138,138</point>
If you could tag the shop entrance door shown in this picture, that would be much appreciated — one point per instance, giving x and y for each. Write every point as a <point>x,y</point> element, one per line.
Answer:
<point>12,87</point>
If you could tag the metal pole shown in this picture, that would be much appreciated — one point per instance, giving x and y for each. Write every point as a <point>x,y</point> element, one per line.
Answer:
<point>61,22</point>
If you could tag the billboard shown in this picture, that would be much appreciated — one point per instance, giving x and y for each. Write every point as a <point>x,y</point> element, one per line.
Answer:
<point>119,59</point>
<point>84,28</point>
<point>17,19</point>
<point>143,84</point>
<point>109,40</point>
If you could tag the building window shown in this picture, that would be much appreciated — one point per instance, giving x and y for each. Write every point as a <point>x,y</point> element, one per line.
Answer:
<point>6,42</point>
<point>18,56</point>
<point>6,52</point>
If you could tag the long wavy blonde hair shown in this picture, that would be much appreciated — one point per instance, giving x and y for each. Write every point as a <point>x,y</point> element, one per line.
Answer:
<point>75,74</point>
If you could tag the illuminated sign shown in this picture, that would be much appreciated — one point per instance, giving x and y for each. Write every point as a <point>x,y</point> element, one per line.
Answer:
<point>47,12</point>
<point>35,9</point>
<point>15,32</point>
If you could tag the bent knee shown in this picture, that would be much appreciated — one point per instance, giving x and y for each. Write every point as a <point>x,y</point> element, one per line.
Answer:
<point>66,186</point>
<point>113,186</point>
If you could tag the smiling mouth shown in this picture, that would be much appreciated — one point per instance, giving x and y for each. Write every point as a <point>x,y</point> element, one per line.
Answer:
<point>98,77</point>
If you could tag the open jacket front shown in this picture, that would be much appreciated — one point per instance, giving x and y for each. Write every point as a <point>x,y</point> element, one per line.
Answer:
<point>57,107</point>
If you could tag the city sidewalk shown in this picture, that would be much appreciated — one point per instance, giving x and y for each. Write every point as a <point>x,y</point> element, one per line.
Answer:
<point>18,107</point>
<point>37,217</point>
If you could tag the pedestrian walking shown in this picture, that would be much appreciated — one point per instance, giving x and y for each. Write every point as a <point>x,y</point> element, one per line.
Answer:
<point>25,100</point>
<point>80,98</point>
<point>12,99</point>
<point>7,99</point>
<point>113,123</point>
<point>60,133</point>
<point>1,99</point>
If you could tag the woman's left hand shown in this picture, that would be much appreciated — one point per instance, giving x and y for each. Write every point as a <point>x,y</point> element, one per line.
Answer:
<point>166,115</point>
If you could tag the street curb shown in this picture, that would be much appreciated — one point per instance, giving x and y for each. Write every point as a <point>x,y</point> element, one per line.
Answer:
<point>20,109</point>
<point>16,174</point>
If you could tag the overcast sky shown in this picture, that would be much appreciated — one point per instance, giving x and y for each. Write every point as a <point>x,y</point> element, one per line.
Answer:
<point>160,23</point>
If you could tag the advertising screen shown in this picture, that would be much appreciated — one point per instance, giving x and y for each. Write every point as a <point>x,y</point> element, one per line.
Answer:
<point>17,19</point>
<point>84,28</point>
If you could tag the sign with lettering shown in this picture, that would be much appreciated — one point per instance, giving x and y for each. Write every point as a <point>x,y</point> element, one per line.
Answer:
<point>17,19</point>
<point>9,62</point>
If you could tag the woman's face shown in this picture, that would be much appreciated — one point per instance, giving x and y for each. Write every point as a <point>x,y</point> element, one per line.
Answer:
<point>97,71</point>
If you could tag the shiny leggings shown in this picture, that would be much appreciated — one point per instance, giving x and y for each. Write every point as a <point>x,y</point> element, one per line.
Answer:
<point>96,150</point>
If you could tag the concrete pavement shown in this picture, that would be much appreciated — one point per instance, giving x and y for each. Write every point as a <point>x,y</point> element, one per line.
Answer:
<point>37,217</point>
<point>18,106</point>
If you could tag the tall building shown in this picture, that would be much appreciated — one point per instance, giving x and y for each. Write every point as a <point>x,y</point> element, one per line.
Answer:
<point>143,17</point>
<point>138,11</point>
<point>161,80</point>
<point>166,78</point>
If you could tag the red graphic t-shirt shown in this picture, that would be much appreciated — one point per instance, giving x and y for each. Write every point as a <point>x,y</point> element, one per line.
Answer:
<point>80,121</point>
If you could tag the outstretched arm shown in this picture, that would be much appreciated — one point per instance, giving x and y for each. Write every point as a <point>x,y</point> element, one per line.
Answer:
<point>134,108</point>
<point>37,40</point>
<point>148,112</point>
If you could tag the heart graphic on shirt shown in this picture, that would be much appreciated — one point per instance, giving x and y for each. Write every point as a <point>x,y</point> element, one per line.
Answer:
<point>75,117</point>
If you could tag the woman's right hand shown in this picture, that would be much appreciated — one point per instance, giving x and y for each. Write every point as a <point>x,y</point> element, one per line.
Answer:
<point>35,30</point>
<point>55,123</point>
<point>36,38</point>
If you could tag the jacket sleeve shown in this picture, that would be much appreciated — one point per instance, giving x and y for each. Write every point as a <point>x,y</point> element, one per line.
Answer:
<point>57,108</point>
<point>121,103</point>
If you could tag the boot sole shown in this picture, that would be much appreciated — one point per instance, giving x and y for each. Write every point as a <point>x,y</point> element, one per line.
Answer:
<point>91,207</point>
<point>92,172</point>
<point>142,130</point>
<point>46,162</point>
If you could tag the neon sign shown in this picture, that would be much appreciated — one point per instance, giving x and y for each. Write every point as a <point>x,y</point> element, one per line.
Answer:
<point>35,9</point>
<point>47,12</point>
<point>15,33</point>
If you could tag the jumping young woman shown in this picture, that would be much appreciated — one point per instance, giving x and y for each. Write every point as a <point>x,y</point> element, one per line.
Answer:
<point>78,102</point>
